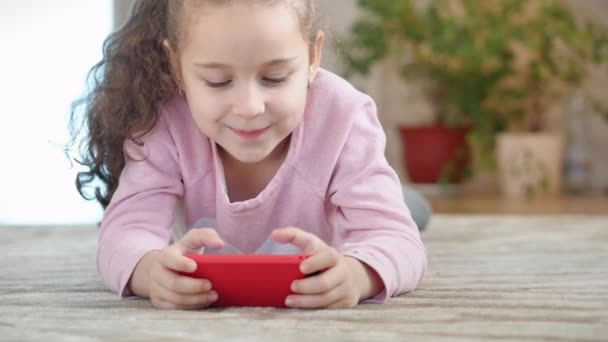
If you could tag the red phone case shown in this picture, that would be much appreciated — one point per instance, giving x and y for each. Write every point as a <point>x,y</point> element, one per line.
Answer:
<point>249,279</point>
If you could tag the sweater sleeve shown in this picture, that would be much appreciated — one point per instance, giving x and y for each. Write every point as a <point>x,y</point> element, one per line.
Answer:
<point>373,222</point>
<point>141,212</point>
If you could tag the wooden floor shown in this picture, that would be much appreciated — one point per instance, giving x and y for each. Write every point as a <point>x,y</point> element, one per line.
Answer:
<point>496,204</point>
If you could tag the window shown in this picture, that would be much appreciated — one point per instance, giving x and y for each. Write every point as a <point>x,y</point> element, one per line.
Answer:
<point>47,49</point>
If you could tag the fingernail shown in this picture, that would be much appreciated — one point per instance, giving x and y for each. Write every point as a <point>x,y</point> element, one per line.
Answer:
<point>289,301</point>
<point>294,287</point>
<point>192,266</point>
<point>206,286</point>
<point>212,297</point>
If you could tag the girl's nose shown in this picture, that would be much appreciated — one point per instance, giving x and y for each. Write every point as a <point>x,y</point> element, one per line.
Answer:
<point>248,102</point>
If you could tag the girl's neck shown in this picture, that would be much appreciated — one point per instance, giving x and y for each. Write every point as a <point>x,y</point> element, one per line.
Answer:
<point>245,181</point>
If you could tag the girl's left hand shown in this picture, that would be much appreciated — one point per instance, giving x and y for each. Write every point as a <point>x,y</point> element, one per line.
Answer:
<point>343,282</point>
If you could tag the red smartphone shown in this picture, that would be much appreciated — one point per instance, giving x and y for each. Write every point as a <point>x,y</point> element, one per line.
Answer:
<point>249,279</point>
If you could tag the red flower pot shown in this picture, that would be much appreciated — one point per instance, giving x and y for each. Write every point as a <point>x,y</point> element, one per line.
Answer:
<point>436,153</point>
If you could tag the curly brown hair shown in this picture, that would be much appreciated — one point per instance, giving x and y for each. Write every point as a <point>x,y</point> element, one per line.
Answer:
<point>129,84</point>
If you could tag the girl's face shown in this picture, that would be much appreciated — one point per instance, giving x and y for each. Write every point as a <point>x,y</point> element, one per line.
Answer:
<point>245,70</point>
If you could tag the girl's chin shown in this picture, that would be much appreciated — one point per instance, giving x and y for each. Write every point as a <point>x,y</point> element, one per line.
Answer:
<point>250,159</point>
<point>248,156</point>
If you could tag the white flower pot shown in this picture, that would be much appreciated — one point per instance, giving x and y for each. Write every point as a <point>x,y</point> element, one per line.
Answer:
<point>530,164</point>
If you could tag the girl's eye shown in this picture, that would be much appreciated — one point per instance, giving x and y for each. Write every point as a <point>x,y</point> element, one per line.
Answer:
<point>275,81</point>
<point>218,84</point>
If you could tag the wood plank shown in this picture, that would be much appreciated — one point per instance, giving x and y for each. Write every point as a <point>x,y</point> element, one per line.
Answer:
<point>508,278</point>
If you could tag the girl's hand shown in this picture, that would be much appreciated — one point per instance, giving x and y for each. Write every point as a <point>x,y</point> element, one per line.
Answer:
<point>344,282</point>
<point>157,277</point>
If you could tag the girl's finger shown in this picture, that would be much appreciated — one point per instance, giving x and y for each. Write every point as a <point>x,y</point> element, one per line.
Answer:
<point>161,303</point>
<point>180,301</point>
<point>198,238</point>
<point>322,283</point>
<point>185,285</point>
<point>306,242</point>
<point>177,283</point>
<point>171,258</point>
<point>316,300</point>
<point>324,259</point>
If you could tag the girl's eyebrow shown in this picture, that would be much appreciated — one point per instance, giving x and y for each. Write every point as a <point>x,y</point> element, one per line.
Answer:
<point>216,65</point>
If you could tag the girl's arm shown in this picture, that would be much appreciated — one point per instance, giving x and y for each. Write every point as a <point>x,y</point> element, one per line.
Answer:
<point>142,210</point>
<point>373,221</point>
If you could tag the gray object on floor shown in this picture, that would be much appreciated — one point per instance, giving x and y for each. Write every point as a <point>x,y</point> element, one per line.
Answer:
<point>419,207</point>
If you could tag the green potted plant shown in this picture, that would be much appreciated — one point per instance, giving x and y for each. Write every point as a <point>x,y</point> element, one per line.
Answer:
<point>552,53</point>
<point>486,66</point>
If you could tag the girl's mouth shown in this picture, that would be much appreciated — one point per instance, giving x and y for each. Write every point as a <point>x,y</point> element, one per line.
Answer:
<point>249,134</point>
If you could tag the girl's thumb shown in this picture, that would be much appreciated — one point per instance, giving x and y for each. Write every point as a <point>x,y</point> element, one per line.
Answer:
<point>198,238</point>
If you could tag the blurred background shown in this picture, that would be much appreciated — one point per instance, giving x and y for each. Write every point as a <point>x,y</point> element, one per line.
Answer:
<point>47,49</point>
<point>504,101</point>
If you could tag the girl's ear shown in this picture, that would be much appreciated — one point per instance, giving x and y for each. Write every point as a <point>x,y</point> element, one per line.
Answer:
<point>316,52</point>
<point>174,62</point>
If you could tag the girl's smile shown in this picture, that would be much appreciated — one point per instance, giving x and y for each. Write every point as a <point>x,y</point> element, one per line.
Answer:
<point>249,134</point>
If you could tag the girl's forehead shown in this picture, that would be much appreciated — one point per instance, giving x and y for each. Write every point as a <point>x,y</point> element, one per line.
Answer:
<point>246,31</point>
<point>229,13</point>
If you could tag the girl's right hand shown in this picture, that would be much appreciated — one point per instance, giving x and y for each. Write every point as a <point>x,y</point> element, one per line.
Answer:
<point>157,274</point>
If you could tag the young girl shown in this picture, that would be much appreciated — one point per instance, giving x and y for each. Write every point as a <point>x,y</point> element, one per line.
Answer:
<point>221,105</point>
